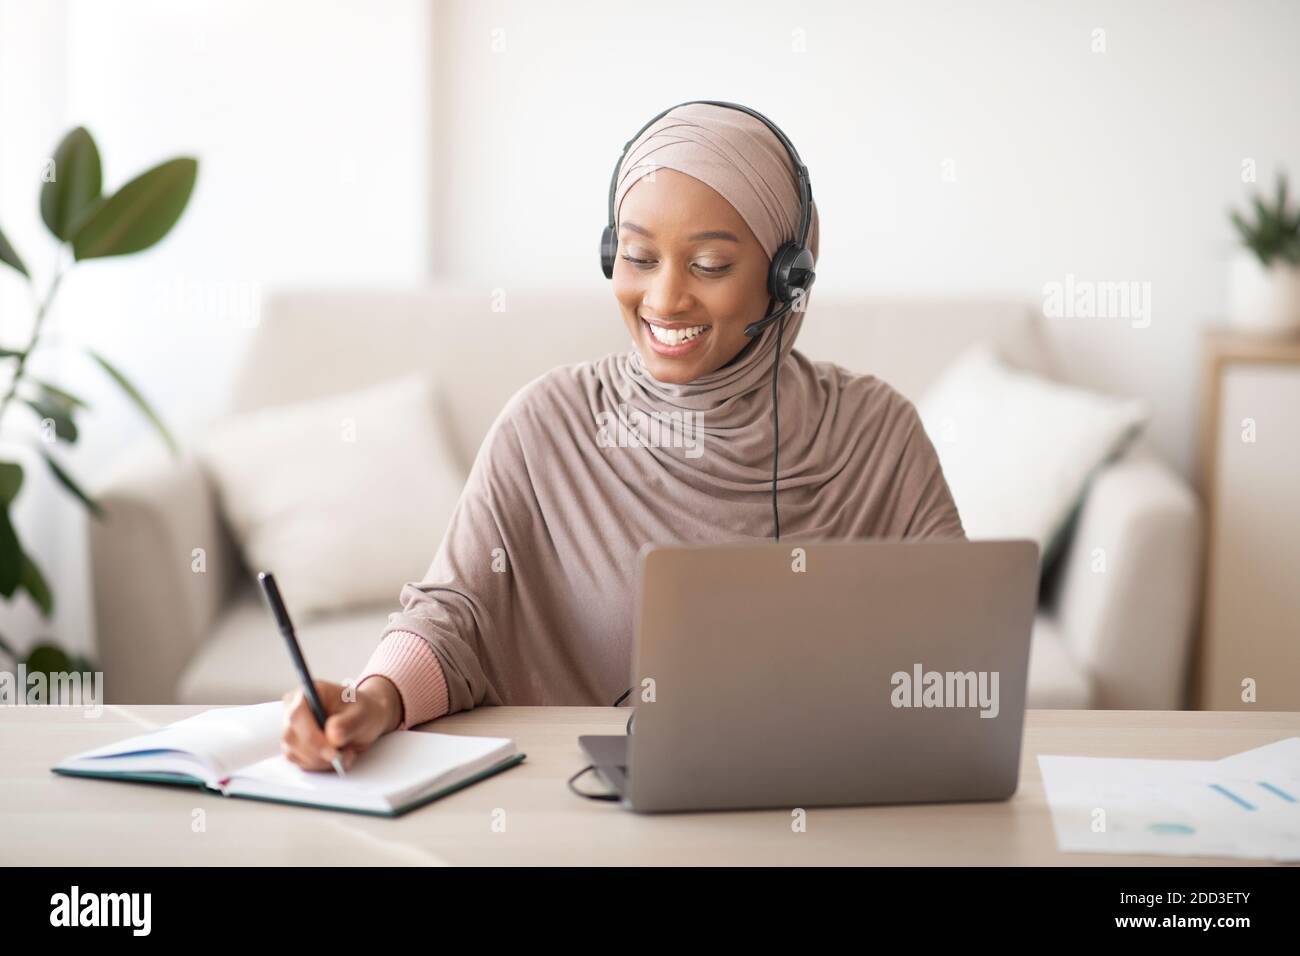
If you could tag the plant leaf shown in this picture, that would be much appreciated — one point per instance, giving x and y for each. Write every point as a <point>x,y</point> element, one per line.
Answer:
<point>1263,213</point>
<point>78,180</point>
<point>10,257</point>
<point>139,214</point>
<point>65,397</point>
<point>1242,228</point>
<point>134,394</point>
<point>11,479</point>
<point>59,413</point>
<point>67,481</point>
<point>35,584</point>
<point>11,555</point>
<point>48,659</point>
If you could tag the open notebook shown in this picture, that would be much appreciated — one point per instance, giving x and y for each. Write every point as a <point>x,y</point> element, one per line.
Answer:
<point>235,751</point>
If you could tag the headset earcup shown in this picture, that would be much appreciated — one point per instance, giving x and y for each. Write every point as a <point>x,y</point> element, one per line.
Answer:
<point>608,251</point>
<point>778,273</point>
<point>789,263</point>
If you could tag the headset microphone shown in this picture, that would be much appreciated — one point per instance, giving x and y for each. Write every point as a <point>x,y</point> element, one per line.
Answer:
<point>756,328</point>
<point>789,277</point>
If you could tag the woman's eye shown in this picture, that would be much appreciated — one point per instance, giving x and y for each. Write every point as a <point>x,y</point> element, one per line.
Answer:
<point>708,270</point>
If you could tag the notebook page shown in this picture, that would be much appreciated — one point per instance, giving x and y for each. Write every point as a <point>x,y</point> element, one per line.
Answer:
<point>396,767</point>
<point>223,739</point>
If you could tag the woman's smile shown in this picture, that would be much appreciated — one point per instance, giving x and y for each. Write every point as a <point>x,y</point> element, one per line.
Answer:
<point>672,339</point>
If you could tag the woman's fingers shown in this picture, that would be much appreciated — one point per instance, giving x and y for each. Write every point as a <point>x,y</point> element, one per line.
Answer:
<point>350,727</point>
<point>303,742</point>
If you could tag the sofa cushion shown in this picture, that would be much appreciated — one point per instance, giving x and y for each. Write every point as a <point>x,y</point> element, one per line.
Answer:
<point>245,660</point>
<point>1017,449</point>
<point>342,498</point>
<point>1056,680</point>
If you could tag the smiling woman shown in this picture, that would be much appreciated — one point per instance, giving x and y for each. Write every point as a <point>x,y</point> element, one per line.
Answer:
<point>529,598</point>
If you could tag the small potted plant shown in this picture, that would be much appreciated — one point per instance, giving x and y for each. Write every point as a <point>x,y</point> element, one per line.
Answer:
<point>1264,292</point>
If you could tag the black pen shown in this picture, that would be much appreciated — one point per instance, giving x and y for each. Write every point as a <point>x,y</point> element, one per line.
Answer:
<point>286,628</point>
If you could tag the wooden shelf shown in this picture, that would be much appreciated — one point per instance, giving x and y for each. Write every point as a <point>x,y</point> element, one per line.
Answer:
<point>1242,631</point>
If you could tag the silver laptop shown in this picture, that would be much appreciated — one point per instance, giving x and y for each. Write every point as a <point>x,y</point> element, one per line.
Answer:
<point>824,674</point>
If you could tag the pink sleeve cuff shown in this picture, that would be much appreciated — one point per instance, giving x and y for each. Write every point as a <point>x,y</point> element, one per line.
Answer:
<point>407,660</point>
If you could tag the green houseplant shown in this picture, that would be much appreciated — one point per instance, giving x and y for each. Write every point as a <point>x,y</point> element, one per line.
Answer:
<point>86,224</point>
<point>1265,281</point>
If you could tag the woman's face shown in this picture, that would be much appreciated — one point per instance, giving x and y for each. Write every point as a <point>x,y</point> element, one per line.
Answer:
<point>689,276</point>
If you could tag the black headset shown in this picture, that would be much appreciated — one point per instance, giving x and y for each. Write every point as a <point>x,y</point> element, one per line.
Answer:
<point>791,274</point>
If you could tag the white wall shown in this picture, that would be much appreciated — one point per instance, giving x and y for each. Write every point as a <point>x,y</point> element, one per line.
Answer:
<point>1112,166</point>
<point>312,125</point>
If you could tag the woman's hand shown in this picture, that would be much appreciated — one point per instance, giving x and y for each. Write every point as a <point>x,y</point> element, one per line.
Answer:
<point>351,726</point>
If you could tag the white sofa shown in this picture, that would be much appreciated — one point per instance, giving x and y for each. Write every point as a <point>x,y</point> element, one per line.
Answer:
<point>1118,639</point>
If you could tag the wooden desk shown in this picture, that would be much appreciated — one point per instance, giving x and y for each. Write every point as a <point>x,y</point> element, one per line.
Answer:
<point>53,820</point>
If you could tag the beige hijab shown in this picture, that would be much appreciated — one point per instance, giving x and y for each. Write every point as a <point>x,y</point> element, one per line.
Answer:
<point>529,598</point>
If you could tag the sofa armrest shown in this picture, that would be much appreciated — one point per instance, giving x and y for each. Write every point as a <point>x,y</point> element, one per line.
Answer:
<point>1127,598</point>
<point>155,596</point>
